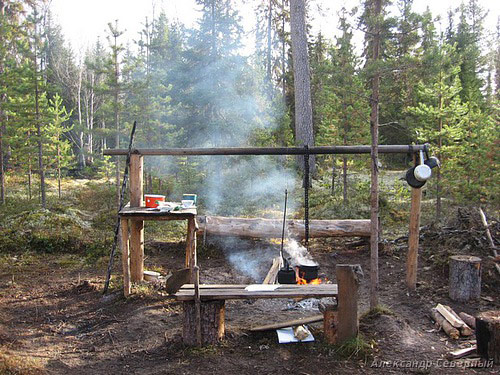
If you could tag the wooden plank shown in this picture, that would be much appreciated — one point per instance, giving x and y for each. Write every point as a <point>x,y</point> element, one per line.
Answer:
<point>273,272</point>
<point>125,257</point>
<point>348,282</point>
<point>327,150</point>
<point>136,212</point>
<point>288,323</point>
<point>414,232</point>
<point>271,228</point>
<point>302,291</point>
<point>462,352</point>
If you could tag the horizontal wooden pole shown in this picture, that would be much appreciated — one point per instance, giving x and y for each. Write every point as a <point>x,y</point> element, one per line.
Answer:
<point>315,150</point>
<point>271,228</point>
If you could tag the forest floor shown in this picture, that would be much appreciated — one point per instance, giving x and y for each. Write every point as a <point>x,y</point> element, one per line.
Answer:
<point>54,319</point>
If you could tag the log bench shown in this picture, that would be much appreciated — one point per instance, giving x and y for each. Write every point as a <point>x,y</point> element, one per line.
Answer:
<point>205,326</point>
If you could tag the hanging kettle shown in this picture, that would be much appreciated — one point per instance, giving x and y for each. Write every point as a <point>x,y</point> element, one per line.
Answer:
<point>418,175</point>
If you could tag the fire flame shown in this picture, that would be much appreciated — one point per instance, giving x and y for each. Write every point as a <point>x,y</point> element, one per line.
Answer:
<point>301,281</point>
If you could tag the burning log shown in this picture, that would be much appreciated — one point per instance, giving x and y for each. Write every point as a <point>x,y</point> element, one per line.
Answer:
<point>271,228</point>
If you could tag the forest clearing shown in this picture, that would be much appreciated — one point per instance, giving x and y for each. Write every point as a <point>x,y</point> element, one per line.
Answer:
<point>213,197</point>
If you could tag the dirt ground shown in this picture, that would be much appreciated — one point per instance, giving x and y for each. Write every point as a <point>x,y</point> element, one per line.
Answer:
<point>53,319</point>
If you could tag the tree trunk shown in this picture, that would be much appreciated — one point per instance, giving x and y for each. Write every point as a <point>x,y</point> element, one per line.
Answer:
<point>377,9</point>
<point>488,335</point>
<point>344,179</point>
<point>2,167</point>
<point>304,133</point>
<point>269,42</point>
<point>41,170</point>
<point>465,278</point>
<point>58,167</point>
<point>212,322</point>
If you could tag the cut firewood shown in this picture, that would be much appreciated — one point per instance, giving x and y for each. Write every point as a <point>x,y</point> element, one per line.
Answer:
<point>453,319</point>
<point>273,272</point>
<point>468,319</point>
<point>462,352</point>
<point>465,330</point>
<point>445,325</point>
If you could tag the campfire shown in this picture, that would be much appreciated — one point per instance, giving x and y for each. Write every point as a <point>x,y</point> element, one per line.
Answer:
<point>307,275</point>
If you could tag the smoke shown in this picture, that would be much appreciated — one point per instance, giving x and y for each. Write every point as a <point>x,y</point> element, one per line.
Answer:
<point>248,258</point>
<point>299,254</point>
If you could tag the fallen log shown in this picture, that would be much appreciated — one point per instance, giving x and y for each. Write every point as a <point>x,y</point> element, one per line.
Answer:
<point>445,325</point>
<point>271,228</point>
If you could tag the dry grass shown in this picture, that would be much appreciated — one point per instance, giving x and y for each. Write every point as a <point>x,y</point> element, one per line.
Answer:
<point>11,364</point>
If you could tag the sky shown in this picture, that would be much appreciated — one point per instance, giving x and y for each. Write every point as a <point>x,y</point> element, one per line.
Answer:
<point>83,21</point>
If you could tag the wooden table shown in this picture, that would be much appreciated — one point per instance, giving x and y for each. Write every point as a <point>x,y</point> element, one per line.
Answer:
<point>133,239</point>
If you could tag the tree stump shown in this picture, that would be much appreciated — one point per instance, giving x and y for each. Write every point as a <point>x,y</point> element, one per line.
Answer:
<point>212,322</point>
<point>488,335</point>
<point>330,322</point>
<point>464,278</point>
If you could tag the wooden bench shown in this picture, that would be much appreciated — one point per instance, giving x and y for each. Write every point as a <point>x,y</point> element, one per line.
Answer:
<point>204,318</point>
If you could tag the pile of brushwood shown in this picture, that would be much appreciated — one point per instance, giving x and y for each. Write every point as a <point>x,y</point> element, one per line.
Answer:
<point>463,234</point>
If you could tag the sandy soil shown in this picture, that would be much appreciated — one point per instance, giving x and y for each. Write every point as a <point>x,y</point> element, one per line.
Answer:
<point>52,323</point>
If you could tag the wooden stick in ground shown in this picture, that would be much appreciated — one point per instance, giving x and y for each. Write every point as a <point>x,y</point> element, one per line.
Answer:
<point>122,196</point>
<point>197,304</point>
<point>413,237</point>
<point>125,258</point>
<point>445,325</point>
<point>468,319</point>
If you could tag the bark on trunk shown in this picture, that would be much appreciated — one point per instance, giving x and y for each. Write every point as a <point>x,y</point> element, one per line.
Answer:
<point>465,278</point>
<point>271,228</point>
<point>304,133</point>
<point>212,322</point>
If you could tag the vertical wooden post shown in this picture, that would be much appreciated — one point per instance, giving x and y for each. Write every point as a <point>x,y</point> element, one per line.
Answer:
<point>136,226</point>
<point>125,257</point>
<point>348,282</point>
<point>414,232</point>
<point>191,245</point>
